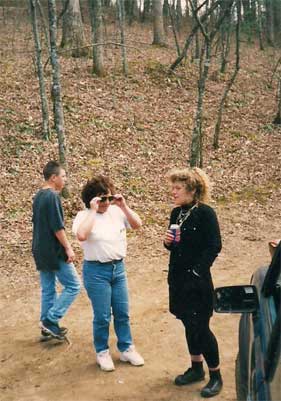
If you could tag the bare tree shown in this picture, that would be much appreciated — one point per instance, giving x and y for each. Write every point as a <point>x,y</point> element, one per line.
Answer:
<point>277,21</point>
<point>44,24</point>
<point>97,31</point>
<point>173,23</point>
<point>196,149</point>
<point>146,10</point>
<point>40,72</point>
<point>196,157</point>
<point>269,22</point>
<point>277,119</point>
<point>166,6</point>
<point>260,25</point>
<point>232,79</point>
<point>56,88</point>
<point>197,42</point>
<point>246,10</point>
<point>72,29</point>
<point>106,3</point>
<point>121,19</point>
<point>131,10</point>
<point>194,30</point>
<point>158,25</point>
<point>277,71</point>
<point>225,33</point>
<point>178,15</point>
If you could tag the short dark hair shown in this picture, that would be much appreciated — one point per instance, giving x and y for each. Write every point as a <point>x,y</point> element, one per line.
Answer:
<point>98,185</point>
<point>52,167</point>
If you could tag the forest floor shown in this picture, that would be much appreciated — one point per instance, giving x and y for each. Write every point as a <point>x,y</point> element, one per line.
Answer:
<point>34,371</point>
<point>135,129</point>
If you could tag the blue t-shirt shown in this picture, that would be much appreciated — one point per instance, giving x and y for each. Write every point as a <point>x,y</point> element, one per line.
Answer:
<point>47,220</point>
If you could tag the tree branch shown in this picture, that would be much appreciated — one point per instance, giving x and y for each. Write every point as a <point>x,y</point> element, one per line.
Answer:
<point>195,14</point>
<point>193,32</point>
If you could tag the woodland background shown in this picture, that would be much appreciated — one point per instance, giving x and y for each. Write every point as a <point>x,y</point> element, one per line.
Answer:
<point>127,111</point>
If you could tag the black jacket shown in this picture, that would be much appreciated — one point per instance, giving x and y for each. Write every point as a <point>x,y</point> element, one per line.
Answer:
<point>189,278</point>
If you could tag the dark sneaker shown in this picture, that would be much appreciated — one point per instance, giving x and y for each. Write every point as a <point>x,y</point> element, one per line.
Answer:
<point>53,329</point>
<point>45,336</point>
<point>213,387</point>
<point>189,377</point>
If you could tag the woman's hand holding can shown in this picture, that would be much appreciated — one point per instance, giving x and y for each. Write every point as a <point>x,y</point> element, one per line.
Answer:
<point>172,235</point>
<point>175,229</point>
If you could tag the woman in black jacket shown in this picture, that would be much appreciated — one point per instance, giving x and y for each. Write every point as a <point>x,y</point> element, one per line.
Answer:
<point>192,252</point>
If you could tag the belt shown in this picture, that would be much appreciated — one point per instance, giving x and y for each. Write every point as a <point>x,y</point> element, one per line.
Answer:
<point>105,263</point>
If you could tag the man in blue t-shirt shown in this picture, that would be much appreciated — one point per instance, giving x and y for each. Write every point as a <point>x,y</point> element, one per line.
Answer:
<point>53,253</point>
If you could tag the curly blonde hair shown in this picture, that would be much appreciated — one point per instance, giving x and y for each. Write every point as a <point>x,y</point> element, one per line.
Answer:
<point>193,179</point>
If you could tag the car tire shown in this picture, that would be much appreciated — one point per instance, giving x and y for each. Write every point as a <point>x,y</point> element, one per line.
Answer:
<point>241,386</point>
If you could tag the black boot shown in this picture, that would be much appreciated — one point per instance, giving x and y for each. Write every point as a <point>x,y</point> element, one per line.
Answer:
<point>214,385</point>
<point>192,375</point>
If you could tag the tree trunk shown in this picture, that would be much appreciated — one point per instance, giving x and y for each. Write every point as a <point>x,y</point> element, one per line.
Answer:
<point>178,15</point>
<point>246,11</point>
<point>146,10</point>
<point>186,9</point>
<point>72,29</point>
<point>158,26</point>
<point>97,30</point>
<point>232,79</point>
<point>260,25</point>
<point>56,88</point>
<point>225,43</point>
<point>106,3</point>
<point>44,23</point>
<point>277,22</point>
<point>196,55</point>
<point>135,10</point>
<point>191,35</point>
<point>277,119</point>
<point>174,28</point>
<point>166,14</point>
<point>131,10</point>
<point>121,19</point>
<point>253,11</point>
<point>40,71</point>
<point>269,22</point>
<point>196,152</point>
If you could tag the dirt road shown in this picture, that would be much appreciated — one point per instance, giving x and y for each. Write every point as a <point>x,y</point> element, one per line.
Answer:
<point>36,371</point>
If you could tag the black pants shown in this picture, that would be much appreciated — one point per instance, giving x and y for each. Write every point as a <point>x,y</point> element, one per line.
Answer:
<point>201,340</point>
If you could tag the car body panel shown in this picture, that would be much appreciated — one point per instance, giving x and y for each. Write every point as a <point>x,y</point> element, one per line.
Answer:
<point>258,364</point>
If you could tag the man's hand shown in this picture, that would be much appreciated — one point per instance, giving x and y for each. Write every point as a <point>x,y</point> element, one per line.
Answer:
<point>70,254</point>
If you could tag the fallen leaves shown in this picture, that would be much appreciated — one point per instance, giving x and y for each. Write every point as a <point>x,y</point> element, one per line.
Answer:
<point>136,129</point>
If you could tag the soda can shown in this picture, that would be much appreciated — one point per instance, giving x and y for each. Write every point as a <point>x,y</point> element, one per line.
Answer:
<point>175,228</point>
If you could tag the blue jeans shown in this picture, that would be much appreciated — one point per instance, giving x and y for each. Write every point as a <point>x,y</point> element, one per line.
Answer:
<point>106,285</point>
<point>54,306</point>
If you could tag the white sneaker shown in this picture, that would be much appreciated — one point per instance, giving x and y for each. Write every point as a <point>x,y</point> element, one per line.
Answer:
<point>105,361</point>
<point>132,356</point>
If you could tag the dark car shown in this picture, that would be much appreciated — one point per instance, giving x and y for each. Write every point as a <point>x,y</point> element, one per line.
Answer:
<point>258,363</point>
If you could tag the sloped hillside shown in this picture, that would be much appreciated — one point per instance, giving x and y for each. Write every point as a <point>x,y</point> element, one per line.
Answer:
<point>134,129</point>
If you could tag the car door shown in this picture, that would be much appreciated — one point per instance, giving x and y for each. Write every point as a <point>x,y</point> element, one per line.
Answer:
<point>265,353</point>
